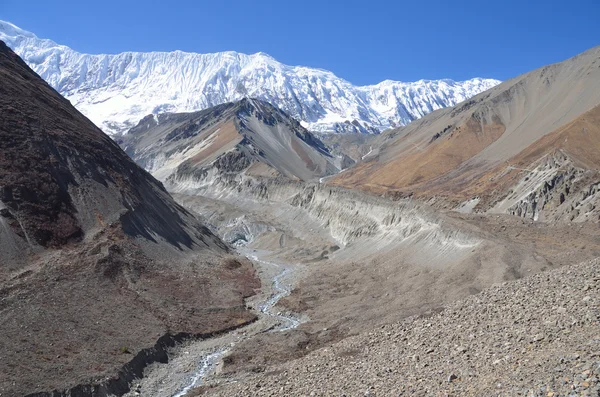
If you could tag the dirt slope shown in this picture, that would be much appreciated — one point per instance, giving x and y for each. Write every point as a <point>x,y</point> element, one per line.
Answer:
<point>97,261</point>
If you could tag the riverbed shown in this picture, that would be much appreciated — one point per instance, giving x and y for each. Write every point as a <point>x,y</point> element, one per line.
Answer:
<point>194,363</point>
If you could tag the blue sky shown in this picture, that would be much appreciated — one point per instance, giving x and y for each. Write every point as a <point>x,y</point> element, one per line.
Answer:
<point>364,42</point>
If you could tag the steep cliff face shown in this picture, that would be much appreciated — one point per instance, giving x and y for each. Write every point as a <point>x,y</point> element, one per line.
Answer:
<point>97,261</point>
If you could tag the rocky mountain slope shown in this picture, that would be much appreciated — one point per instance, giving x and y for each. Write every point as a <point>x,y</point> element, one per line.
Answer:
<point>527,147</point>
<point>116,91</point>
<point>97,262</point>
<point>247,137</point>
<point>533,337</point>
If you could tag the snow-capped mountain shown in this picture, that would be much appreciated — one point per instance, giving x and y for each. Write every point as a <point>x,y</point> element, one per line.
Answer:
<point>116,91</point>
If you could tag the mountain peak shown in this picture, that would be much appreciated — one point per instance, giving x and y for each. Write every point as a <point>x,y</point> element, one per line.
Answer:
<point>257,105</point>
<point>10,29</point>
<point>246,137</point>
<point>264,55</point>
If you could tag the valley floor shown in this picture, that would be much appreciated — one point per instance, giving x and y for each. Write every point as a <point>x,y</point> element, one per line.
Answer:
<point>192,362</point>
<point>518,314</point>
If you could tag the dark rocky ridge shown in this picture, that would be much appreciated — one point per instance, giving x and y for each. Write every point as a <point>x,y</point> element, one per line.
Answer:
<point>51,154</point>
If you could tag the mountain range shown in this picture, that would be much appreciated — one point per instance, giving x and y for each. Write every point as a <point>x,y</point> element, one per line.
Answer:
<point>116,91</point>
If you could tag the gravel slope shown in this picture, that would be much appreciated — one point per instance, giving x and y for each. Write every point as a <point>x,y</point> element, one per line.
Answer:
<point>538,336</point>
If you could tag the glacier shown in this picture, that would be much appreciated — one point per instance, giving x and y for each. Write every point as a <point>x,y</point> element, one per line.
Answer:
<point>115,91</point>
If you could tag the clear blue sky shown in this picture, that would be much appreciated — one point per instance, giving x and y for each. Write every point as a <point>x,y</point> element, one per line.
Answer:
<point>362,41</point>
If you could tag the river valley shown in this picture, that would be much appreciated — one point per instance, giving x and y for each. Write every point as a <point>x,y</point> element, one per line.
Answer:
<point>343,263</point>
<point>198,362</point>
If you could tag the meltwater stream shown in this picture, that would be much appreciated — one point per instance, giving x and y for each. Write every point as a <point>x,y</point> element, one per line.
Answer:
<point>280,289</point>
<point>206,367</point>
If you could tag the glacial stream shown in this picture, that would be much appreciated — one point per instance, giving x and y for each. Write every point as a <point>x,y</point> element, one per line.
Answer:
<point>280,287</point>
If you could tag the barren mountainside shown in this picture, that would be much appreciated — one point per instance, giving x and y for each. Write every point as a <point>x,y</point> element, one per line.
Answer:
<point>100,269</point>
<point>515,148</point>
<point>247,137</point>
<point>116,91</point>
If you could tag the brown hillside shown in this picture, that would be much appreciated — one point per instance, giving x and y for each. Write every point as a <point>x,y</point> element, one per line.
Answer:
<point>461,152</point>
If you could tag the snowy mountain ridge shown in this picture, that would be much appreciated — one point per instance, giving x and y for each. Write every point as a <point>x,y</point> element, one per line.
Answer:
<point>116,91</point>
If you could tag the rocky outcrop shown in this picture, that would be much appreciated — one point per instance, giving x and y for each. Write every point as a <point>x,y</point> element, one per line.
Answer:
<point>553,189</point>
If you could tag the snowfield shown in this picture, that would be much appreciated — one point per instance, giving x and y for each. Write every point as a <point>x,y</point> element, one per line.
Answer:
<point>116,91</point>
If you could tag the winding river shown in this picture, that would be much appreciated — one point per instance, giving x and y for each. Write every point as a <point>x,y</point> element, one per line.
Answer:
<point>280,287</point>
